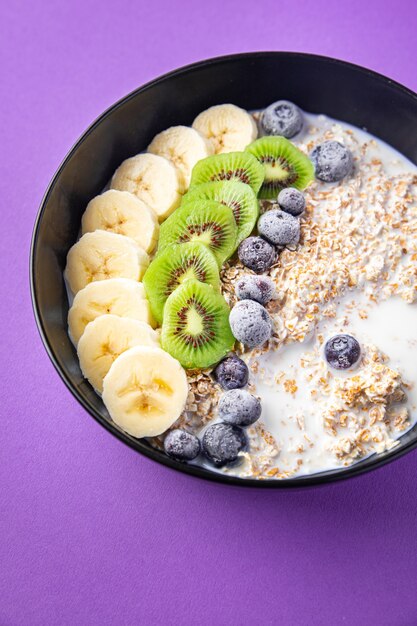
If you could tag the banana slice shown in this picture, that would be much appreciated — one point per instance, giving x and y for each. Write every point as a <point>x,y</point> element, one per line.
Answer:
<point>105,339</point>
<point>145,391</point>
<point>119,296</point>
<point>183,146</point>
<point>123,213</point>
<point>101,255</point>
<point>228,127</point>
<point>152,179</point>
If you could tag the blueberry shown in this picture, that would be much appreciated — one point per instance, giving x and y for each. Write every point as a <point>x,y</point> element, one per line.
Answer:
<point>332,161</point>
<point>223,442</point>
<point>279,227</point>
<point>232,373</point>
<point>256,254</point>
<point>258,288</point>
<point>250,323</point>
<point>282,118</point>
<point>291,201</point>
<point>239,407</point>
<point>181,445</point>
<point>342,351</point>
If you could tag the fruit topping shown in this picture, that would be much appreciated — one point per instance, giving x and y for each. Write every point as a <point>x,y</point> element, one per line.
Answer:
<point>236,195</point>
<point>101,255</point>
<point>284,165</point>
<point>175,265</point>
<point>332,161</point>
<point>235,166</point>
<point>239,407</point>
<point>232,373</point>
<point>119,296</point>
<point>256,254</point>
<point>280,228</point>
<point>342,351</point>
<point>223,442</point>
<point>195,328</point>
<point>153,179</point>
<point>258,288</point>
<point>250,323</point>
<point>206,221</point>
<point>282,118</point>
<point>106,338</point>
<point>183,146</point>
<point>291,201</point>
<point>182,445</point>
<point>123,213</point>
<point>227,127</point>
<point>145,391</point>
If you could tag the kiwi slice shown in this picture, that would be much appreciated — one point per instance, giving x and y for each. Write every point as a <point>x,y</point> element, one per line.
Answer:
<point>195,328</point>
<point>240,166</point>
<point>175,265</point>
<point>206,221</point>
<point>284,164</point>
<point>239,197</point>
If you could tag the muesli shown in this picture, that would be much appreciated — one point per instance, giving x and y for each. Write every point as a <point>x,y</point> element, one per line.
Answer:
<point>243,293</point>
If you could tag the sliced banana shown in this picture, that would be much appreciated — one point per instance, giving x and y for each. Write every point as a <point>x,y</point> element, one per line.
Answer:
<point>101,255</point>
<point>119,296</point>
<point>122,213</point>
<point>105,339</point>
<point>183,146</point>
<point>153,179</point>
<point>145,391</point>
<point>228,127</point>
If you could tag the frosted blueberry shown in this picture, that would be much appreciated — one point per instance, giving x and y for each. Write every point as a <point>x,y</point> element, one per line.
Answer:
<point>232,373</point>
<point>250,323</point>
<point>181,445</point>
<point>282,118</point>
<point>223,442</point>
<point>291,201</point>
<point>332,161</point>
<point>256,254</point>
<point>342,351</point>
<point>258,288</point>
<point>279,227</point>
<point>239,407</point>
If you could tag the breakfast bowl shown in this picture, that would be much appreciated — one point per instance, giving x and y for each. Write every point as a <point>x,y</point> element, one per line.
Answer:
<point>319,85</point>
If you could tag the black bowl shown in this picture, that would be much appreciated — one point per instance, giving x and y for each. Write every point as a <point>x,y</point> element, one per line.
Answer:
<point>317,84</point>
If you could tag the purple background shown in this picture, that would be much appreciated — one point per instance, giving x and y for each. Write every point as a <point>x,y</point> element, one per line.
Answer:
<point>90,532</point>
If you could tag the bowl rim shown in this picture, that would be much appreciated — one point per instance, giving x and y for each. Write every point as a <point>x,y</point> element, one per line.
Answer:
<point>308,480</point>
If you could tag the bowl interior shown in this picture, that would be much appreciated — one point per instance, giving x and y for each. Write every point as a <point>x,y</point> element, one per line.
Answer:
<point>252,81</point>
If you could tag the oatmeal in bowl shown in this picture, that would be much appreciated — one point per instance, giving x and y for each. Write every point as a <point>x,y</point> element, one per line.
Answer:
<point>242,293</point>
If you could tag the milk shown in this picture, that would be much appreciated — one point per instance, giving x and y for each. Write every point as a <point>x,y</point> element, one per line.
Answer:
<point>390,324</point>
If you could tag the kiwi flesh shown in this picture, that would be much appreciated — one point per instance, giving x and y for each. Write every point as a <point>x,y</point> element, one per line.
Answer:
<point>284,164</point>
<point>206,221</point>
<point>240,166</point>
<point>239,197</point>
<point>175,265</point>
<point>195,328</point>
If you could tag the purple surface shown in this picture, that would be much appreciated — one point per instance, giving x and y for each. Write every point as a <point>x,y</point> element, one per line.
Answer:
<point>90,532</point>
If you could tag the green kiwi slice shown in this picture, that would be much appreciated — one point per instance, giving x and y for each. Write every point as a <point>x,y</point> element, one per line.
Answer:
<point>206,221</point>
<point>240,166</point>
<point>195,328</point>
<point>284,164</point>
<point>175,265</point>
<point>239,197</point>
